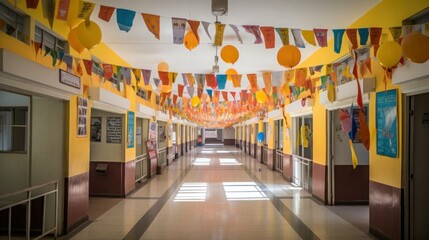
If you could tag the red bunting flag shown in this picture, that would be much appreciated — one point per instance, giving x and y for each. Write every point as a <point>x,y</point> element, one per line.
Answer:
<point>375,34</point>
<point>321,36</point>
<point>152,23</point>
<point>364,130</point>
<point>108,71</point>
<point>253,80</point>
<point>300,77</point>
<point>352,35</point>
<point>32,3</point>
<point>225,96</point>
<point>269,38</point>
<point>211,80</point>
<point>164,78</point>
<point>233,95</point>
<point>63,9</point>
<point>180,88</point>
<point>200,92</point>
<point>105,13</point>
<point>194,27</point>
<point>88,66</point>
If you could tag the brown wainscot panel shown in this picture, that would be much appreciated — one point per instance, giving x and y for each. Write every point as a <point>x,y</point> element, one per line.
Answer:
<point>229,142</point>
<point>287,167</point>
<point>76,201</point>
<point>319,182</point>
<point>270,159</point>
<point>351,185</point>
<point>384,210</point>
<point>130,177</point>
<point>259,153</point>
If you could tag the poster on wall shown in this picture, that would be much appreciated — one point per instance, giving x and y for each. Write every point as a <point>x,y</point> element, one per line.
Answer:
<point>152,131</point>
<point>212,133</point>
<point>114,130</point>
<point>96,129</point>
<point>161,131</point>
<point>357,138</point>
<point>82,116</point>
<point>387,124</point>
<point>130,130</point>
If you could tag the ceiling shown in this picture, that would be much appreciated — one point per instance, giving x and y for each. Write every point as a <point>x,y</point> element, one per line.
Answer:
<point>142,50</point>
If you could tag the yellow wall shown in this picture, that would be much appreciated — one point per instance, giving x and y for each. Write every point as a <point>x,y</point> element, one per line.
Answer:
<point>287,144</point>
<point>319,132</point>
<point>271,134</point>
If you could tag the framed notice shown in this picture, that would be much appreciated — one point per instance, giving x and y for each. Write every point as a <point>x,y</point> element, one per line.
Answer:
<point>153,127</point>
<point>152,156</point>
<point>114,130</point>
<point>96,129</point>
<point>82,116</point>
<point>387,124</point>
<point>69,79</point>
<point>130,130</point>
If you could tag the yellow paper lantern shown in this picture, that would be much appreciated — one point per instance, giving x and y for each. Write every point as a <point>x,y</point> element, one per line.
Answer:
<point>74,42</point>
<point>389,54</point>
<point>72,20</point>
<point>288,56</point>
<point>89,34</point>
<point>190,40</point>
<point>195,101</point>
<point>165,88</point>
<point>261,96</point>
<point>415,46</point>
<point>229,72</point>
<point>163,67</point>
<point>229,54</point>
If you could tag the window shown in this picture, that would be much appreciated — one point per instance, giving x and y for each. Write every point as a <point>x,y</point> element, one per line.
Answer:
<point>11,22</point>
<point>49,40</point>
<point>279,134</point>
<point>13,129</point>
<point>142,94</point>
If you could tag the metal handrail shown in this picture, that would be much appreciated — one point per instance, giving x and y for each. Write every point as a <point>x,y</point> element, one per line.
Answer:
<point>265,154</point>
<point>29,197</point>
<point>140,175</point>
<point>304,179</point>
<point>279,160</point>
<point>162,152</point>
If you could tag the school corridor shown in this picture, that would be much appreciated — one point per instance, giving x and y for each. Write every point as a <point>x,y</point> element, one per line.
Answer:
<point>219,192</point>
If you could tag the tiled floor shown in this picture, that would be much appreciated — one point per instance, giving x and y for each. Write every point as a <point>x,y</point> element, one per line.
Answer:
<point>217,192</point>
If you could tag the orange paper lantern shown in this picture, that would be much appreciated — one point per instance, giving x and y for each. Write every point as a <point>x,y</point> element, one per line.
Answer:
<point>190,41</point>
<point>389,54</point>
<point>415,46</point>
<point>288,56</point>
<point>163,67</point>
<point>74,42</point>
<point>229,54</point>
<point>229,72</point>
<point>89,34</point>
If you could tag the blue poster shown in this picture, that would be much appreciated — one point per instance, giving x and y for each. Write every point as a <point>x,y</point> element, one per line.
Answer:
<point>130,130</point>
<point>387,124</point>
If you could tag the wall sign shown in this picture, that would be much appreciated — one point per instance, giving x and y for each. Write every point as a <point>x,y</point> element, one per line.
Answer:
<point>96,129</point>
<point>82,116</point>
<point>69,79</point>
<point>130,130</point>
<point>114,130</point>
<point>387,124</point>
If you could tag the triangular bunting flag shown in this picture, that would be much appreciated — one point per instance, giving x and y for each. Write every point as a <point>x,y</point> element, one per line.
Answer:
<point>108,71</point>
<point>211,80</point>
<point>352,35</point>
<point>48,11</point>
<point>233,94</point>
<point>254,29</point>
<point>32,4</point>
<point>69,62</point>
<point>321,36</point>
<point>185,79</point>
<point>194,27</point>
<point>146,76</point>
<point>363,35</point>
<point>309,36</point>
<point>396,32</point>
<point>200,92</point>
<point>236,31</point>
<point>296,33</point>
<point>221,81</point>
<point>269,38</point>
<point>218,39</point>
<point>338,39</point>
<point>85,10</point>
<point>375,34</point>
<point>164,78</point>
<point>88,66</point>
<point>54,57</point>
<point>236,80</point>
<point>267,79</point>
<point>47,51</point>
<point>137,74</point>
<point>63,9</point>
<point>125,19</point>
<point>179,26</point>
<point>106,13</point>
<point>206,28</point>
<point>277,78</point>
<point>190,78</point>
<point>157,81</point>
<point>284,35</point>
<point>201,80</point>
<point>152,23</point>
<point>190,90</point>
<point>210,93</point>
<point>37,46</point>
<point>364,130</point>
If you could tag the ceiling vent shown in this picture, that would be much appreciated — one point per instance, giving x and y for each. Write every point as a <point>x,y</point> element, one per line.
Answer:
<point>219,7</point>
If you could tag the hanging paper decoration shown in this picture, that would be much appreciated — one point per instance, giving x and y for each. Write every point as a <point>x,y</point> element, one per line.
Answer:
<point>309,36</point>
<point>48,11</point>
<point>126,75</point>
<point>363,35</point>
<point>296,33</point>
<point>375,34</point>
<point>172,77</point>
<point>396,32</point>
<point>318,68</point>
<point>288,56</point>
<point>191,90</point>
<point>218,39</point>
<point>225,96</point>
<point>190,78</point>
<point>236,31</point>
<point>229,72</point>
<point>85,10</point>
<point>210,93</point>
<point>352,35</point>
<point>229,54</point>
<point>269,38</point>
<point>108,71</point>
<point>164,78</point>
<point>200,92</point>
<point>267,79</point>
<point>125,19</point>
<point>105,13</point>
<point>61,56</point>
<point>364,130</point>
<point>206,28</point>
<point>352,151</point>
<point>146,76</point>
<point>63,9</point>
<point>152,23</point>
<point>321,36</point>
<point>353,130</point>
<point>236,80</point>
<point>88,66</point>
<point>416,47</point>
<point>284,35</point>
<point>194,27</point>
<point>345,120</point>
<point>221,81</point>
<point>53,54</point>
<point>190,41</point>
<point>69,62</point>
<point>201,80</point>
<point>253,80</point>
<point>162,67</point>
<point>179,25</point>
<point>137,74</point>
<point>300,76</point>
<point>338,39</point>
<point>331,92</point>
<point>211,80</point>
<point>233,94</point>
<point>276,78</point>
<point>185,79</point>
<point>254,29</point>
<point>32,4</point>
<point>37,46</point>
<point>180,88</point>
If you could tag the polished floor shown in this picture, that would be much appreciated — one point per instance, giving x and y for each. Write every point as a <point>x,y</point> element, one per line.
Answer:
<point>219,192</point>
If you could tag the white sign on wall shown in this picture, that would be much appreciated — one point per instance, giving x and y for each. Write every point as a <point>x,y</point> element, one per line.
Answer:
<point>211,133</point>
